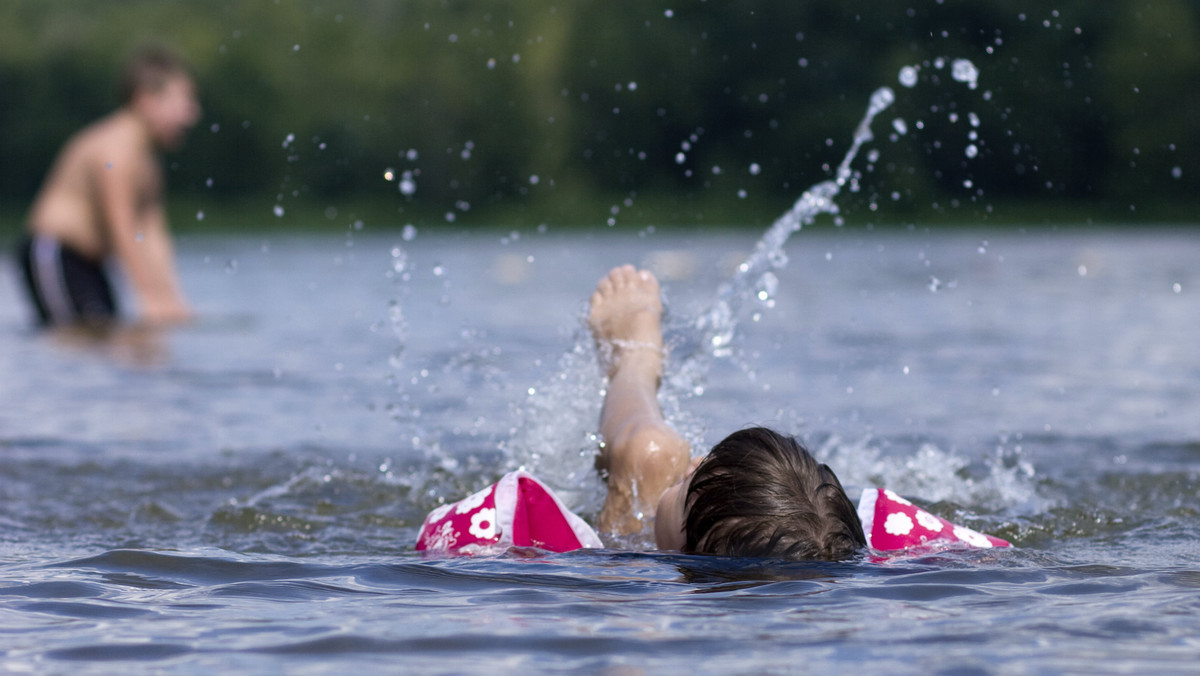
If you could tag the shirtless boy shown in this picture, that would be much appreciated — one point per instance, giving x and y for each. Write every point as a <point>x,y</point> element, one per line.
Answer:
<point>104,197</point>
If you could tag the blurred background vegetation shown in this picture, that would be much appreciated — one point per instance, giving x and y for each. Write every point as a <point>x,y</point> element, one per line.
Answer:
<point>520,112</point>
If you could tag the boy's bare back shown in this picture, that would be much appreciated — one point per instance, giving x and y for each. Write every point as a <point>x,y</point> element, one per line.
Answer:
<point>103,197</point>
<point>109,161</point>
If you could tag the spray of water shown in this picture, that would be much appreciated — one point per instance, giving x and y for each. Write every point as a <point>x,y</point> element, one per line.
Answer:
<point>713,331</point>
<point>555,436</point>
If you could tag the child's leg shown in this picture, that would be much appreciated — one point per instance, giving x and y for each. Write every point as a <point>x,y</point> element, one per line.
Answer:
<point>642,454</point>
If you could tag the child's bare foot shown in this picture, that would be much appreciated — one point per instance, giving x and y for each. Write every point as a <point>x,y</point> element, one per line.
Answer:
<point>625,319</point>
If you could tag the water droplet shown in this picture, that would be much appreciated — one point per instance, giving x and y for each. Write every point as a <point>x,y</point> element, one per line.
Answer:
<point>741,194</point>
<point>881,99</point>
<point>971,150</point>
<point>411,155</point>
<point>965,71</point>
<point>389,174</point>
<point>450,216</point>
<point>755,169</point>
<point>973,119</point>
<point>208,183</point>
<point>967,183</point>
<point>669,13</point>
<point>491,64</point>
<point>199,215</point>
<point>680,158</point>
<point>908,76</point>
<point>900,126</point>
<point>1177,287</point>
<point>409,233</point>
<point>407,185</point>
<point>1176,172</point>
<point>632,86</point>
<point>287,141</point>
<point>278,210</point>
<point>873,155</point>
<point>1082,270</point>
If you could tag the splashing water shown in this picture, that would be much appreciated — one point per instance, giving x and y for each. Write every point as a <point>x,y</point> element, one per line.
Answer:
<point>713,331</point>
<point>1002,482</point>
<point>556,435</point>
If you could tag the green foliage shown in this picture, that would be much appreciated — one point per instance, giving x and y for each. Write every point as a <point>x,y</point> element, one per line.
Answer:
<point>576,110</point>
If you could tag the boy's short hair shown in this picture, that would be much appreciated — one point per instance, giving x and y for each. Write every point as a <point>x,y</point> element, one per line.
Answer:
<point>147,70</point>
<point>759,493</point>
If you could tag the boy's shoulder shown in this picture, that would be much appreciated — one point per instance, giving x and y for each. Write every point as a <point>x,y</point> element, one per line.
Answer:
<point>106,143</point>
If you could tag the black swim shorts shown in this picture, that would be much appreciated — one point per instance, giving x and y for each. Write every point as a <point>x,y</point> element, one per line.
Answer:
<point>65,287</point>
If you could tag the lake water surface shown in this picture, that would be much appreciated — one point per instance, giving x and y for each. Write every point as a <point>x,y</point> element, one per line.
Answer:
<point>244,494</point>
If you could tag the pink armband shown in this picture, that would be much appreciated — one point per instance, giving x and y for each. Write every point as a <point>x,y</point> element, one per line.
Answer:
<point>891,522</point>
<point>516,511</point>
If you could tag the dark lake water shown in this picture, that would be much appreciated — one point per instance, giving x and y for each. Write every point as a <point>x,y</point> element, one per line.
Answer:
<point>244,494</point>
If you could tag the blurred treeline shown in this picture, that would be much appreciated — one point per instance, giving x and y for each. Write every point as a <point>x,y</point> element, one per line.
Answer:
<point>528,111</point>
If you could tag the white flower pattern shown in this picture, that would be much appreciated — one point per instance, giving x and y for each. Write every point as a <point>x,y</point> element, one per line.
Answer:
<point>973,538</point>
<point>929,521</point>
<point>896,498</point>
<point>483,524</point>
<point>898,523</point>
<point>443,540</point>
<point>472,501</point>
<point>438,514</point>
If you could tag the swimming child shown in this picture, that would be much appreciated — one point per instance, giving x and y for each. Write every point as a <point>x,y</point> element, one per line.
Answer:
<point>104,197</point>
<point>757,493</point>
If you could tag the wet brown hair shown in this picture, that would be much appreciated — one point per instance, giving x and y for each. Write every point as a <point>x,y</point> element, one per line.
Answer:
<point>759,493</point>
<point>147,70</point>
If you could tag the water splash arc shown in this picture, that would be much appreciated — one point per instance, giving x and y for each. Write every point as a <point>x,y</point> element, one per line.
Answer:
<point>714,329</point>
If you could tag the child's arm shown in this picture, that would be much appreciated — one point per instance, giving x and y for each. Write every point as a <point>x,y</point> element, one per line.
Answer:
<point>138,233</point>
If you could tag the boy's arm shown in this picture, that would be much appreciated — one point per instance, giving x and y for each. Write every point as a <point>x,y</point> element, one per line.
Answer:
<point>140,240</point>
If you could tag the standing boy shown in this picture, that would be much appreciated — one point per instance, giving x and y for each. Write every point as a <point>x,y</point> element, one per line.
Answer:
<point>103,198</point>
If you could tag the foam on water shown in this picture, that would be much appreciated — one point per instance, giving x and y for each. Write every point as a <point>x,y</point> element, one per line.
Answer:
<point>1001,483</point>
